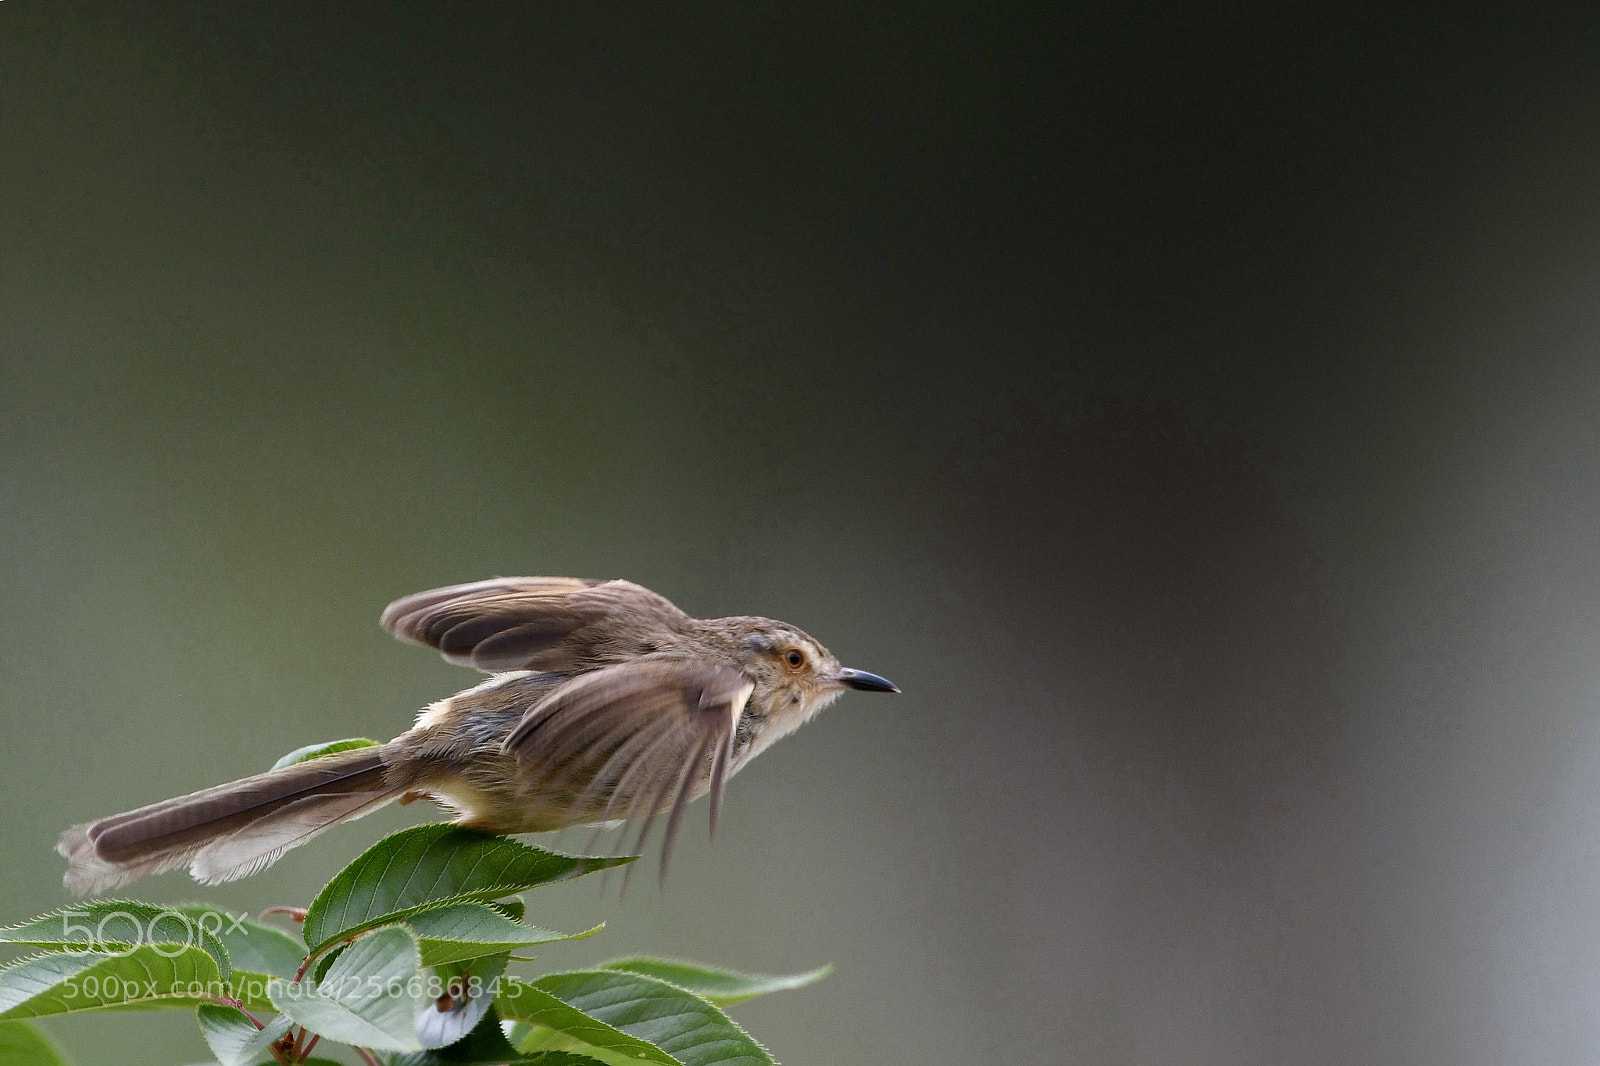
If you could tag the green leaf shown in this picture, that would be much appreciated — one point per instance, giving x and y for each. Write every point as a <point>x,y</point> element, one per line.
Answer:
<point>512,908</point>
<point>233,1039</point>
<point>370,997</point>
<point>679,1023</point>
<point>251,989</point>
<point>112,926</point>
<point>458,931</point>
<point>536,1040</point>
<point>252,945</point>
<point>529,1003</point>
<point>487,1045</point>
<point>327,747</point>
<point>142,979</point>
<point>325,963</point>
<point>712,983</point>
<point>23,1045</point>
<point>428,865</point>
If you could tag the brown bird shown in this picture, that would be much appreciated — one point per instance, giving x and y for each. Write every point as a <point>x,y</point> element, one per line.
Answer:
<point>607,704</point>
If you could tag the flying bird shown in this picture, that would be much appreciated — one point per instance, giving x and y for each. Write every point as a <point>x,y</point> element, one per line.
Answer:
<point>606,704</point>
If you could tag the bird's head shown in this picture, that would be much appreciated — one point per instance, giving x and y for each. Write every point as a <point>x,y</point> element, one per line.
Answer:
<point>792,670</point>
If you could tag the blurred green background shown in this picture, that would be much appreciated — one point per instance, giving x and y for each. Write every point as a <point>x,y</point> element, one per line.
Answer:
<point>1191,408</point>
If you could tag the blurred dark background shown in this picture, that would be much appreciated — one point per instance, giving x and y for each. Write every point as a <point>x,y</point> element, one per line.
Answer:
<point>1192,407</point>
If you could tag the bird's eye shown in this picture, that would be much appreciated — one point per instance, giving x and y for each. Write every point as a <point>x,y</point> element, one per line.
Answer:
<point>794,658</point>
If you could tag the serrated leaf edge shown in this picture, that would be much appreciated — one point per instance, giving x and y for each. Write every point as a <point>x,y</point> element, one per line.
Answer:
<point>486,894</point>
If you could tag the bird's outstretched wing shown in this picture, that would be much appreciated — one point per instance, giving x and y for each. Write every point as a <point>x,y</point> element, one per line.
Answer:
<point>561,624</point>
<point>636,739</point>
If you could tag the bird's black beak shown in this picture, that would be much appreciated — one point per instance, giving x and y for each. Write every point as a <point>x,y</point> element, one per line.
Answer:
<point>864,681</point>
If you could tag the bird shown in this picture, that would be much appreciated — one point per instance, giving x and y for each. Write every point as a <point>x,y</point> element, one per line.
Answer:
<point>606,704</point>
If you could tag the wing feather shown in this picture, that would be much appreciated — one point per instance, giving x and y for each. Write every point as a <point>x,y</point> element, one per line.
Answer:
<point>560,624</point>
<point>648,736</point>
<point>679,802</point>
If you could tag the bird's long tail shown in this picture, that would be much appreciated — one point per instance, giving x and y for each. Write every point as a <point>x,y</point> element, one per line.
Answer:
<point>228,831</point>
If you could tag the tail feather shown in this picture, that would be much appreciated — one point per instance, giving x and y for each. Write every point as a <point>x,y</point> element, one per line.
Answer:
<point>227,831</point>
<point>263,842</point>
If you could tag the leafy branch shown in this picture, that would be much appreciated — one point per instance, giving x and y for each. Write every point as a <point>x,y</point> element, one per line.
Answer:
<point>401,956</point>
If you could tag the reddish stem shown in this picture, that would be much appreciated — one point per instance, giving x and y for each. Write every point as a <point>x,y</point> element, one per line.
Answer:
<point>309,959</point>
<point>238,1005</point>
<point>297,914</point>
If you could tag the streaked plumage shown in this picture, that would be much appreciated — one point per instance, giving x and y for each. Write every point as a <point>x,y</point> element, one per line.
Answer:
<point>607,703</point>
